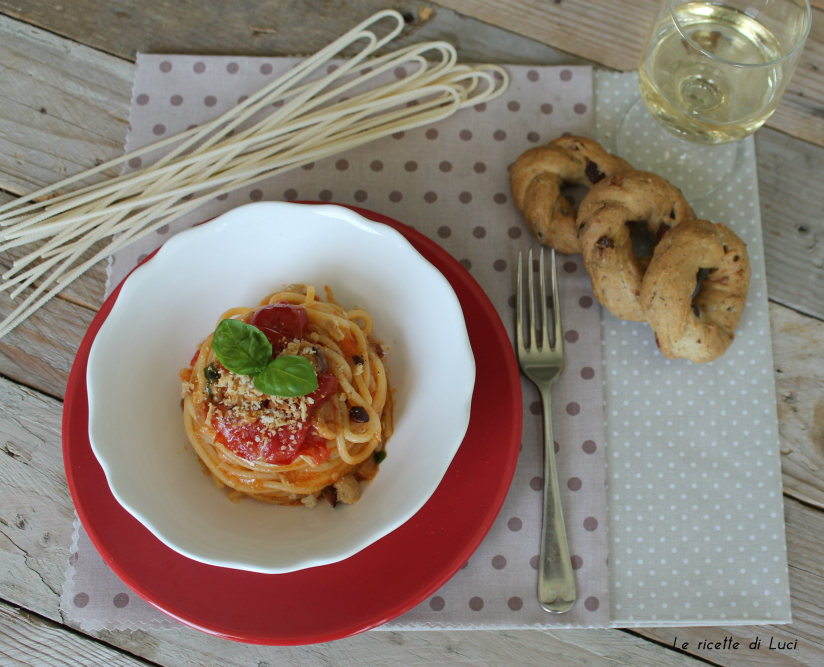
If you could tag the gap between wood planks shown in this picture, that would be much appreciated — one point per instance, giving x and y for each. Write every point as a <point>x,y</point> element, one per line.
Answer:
<point>670,647</point>
<point>84,643</point>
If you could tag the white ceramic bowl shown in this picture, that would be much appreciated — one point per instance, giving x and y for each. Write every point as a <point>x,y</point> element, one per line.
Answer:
<point>172,302</point>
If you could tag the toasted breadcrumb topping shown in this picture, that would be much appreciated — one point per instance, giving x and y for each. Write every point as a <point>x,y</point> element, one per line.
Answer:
<point>241,402</point>
<point>348,490</point>
<point>310,501</point>
<point>291,349</point>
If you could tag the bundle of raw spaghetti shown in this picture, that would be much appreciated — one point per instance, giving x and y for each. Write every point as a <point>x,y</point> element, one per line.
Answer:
<point>314,117</point>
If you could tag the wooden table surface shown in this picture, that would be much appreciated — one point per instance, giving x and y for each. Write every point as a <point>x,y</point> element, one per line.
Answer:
<point>66,69</point>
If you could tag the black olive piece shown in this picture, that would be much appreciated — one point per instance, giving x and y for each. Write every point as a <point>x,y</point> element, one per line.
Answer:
<point>357,359</point>
<point>358,414</point>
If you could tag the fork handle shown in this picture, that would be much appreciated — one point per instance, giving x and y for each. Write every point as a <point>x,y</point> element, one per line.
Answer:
<point>556,581</point>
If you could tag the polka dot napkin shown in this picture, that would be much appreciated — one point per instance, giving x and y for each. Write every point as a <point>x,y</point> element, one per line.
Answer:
<point>450,181</point>
<point>696,519</point>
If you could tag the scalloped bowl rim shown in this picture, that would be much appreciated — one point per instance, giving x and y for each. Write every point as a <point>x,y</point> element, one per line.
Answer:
<point>148,462</point>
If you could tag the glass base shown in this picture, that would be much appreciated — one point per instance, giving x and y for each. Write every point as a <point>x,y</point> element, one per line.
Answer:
<point>696,169</point>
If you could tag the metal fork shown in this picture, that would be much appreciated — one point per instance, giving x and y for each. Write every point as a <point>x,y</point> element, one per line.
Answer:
<point>543,364</point>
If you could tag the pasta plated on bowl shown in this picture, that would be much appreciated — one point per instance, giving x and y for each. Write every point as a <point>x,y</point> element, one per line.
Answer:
<point>161,464</point>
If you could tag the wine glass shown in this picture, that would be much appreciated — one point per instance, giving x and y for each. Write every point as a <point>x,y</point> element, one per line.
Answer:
<point>710,74</point>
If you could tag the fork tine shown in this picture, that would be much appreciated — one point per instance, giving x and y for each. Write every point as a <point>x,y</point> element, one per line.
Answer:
<point>519,315</point>
<point>544,325</point>
<point>556,309</point>
<point>533,337</point>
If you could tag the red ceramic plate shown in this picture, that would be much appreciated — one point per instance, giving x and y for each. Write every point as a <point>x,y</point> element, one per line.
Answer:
<point>333,601</point>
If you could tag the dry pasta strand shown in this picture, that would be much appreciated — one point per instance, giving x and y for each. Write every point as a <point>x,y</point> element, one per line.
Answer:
<point>316,119</point>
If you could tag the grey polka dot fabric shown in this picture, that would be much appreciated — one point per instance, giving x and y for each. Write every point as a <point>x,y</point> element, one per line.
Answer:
<point>449,181</point>
<point>96,599</point>
<point>696,518</point>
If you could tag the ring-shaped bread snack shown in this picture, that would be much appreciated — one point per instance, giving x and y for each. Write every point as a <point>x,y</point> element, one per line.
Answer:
<point>604,233</point>
<point>700,327</point>
<point>538,176</point>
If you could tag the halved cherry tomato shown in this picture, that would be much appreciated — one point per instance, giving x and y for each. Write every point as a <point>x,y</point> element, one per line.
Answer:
<point>315,448</point>
<point>281,323</point>
<point>252,441</point>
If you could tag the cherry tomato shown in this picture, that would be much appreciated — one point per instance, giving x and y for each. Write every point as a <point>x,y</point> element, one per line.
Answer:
<point>315,448</point>
<point>281,323</point>
<point>252,441</point>
<point>327,385</point>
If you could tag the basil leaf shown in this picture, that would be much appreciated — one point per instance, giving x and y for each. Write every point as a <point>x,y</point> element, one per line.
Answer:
<point>241,348</point>
<point>287,376</point>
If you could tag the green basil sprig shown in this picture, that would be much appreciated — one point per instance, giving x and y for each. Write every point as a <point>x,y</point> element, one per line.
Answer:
<point>287,376</point>
<point>241,348</point>
<point>245,350</point>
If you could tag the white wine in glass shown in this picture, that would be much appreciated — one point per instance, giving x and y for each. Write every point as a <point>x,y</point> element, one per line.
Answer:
<point>713,73</point>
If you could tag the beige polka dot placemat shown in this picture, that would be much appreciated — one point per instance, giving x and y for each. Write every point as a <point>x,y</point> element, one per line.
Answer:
<point>449,181</point>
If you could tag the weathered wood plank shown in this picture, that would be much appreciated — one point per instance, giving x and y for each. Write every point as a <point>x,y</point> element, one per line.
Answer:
<point>40,352</point>
<point>613,34</point>
<point>277,28</point>
<point>573,648</point>
<point>792,220</point>
<point>53,88</point>
<point>798,357</point>
<point>29,641</point>
<point>36,511</point>
<point>63,109</point>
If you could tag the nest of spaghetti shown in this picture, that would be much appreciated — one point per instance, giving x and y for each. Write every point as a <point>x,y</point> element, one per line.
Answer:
<point>293,450</point>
